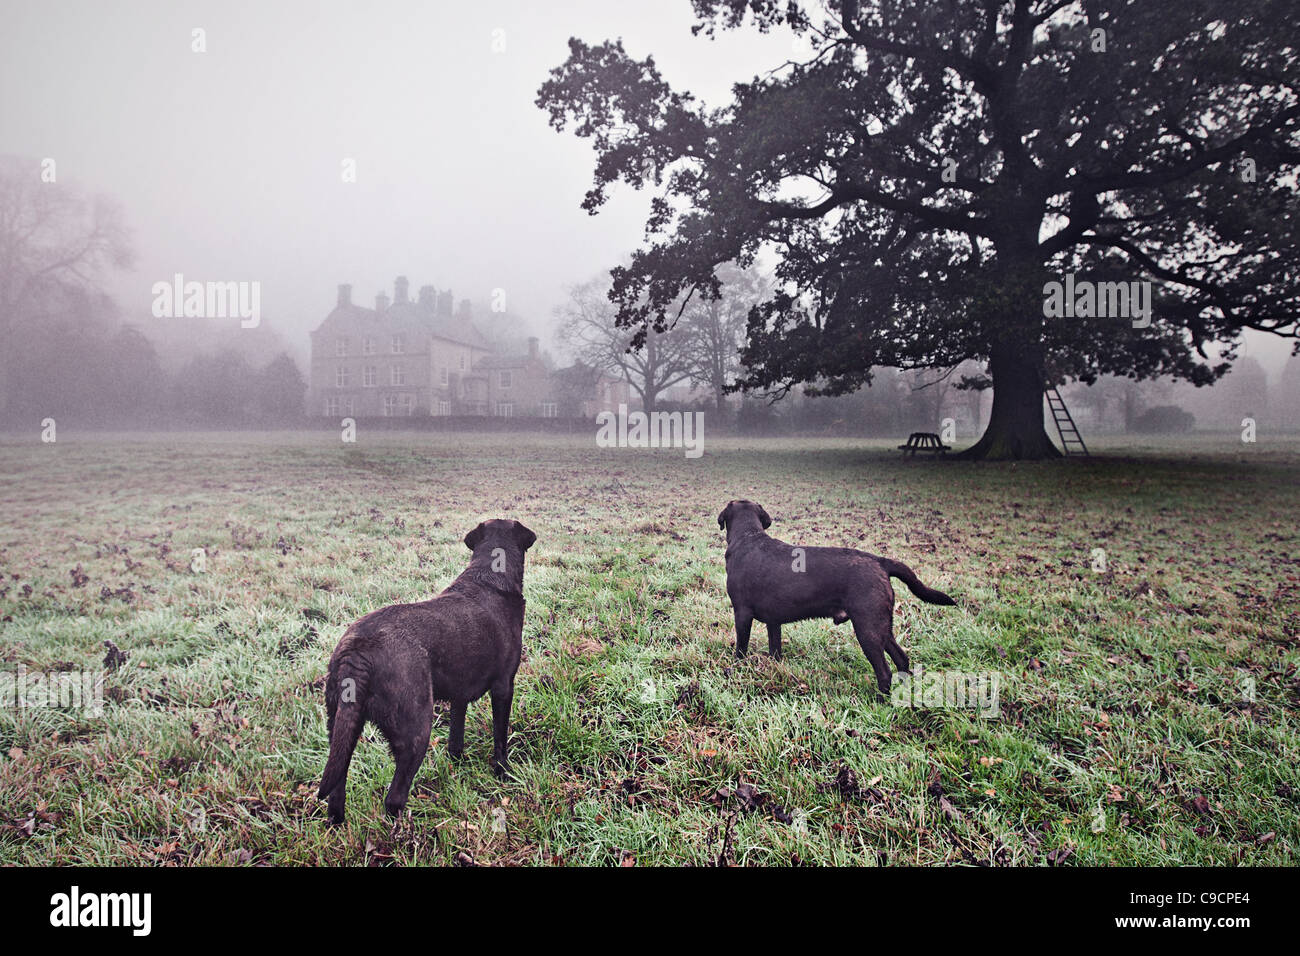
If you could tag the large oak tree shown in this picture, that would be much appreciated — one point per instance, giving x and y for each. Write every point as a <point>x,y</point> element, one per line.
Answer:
<point>931,164</point>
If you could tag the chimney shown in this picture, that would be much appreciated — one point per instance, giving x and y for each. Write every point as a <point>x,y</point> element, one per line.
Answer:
<point>400,287</point>
<point>345,295</point>
<point>381,302</point>
<point>532,346</point>
<point>426,297</point>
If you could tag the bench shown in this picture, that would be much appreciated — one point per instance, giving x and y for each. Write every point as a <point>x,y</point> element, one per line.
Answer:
<point>924,441</point>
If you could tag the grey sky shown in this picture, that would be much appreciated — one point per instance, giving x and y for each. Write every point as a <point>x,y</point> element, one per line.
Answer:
<point>228,162</point>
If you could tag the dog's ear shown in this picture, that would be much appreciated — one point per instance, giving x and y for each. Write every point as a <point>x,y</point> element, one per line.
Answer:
<point>724,516</point>
<point>763,517</point>
<point>525,537</point>
<point>474,537</point>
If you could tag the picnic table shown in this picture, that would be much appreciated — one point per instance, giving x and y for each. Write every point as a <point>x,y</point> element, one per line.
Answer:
<point>924,441</point>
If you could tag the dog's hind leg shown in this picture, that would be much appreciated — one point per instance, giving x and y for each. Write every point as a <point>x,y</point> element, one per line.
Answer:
<point>873,638</point>
<point>345,720</point>
<point>456,735</point>
<point>408,737</point>
<point>501,699</point>
<point>774,641</point>
<point>744,621</point>
<point>896,653</point>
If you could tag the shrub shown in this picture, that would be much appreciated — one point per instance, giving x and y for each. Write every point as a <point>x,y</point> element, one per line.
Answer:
<point>1163,419</point>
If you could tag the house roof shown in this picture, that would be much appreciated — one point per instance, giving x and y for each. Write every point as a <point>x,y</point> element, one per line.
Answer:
<point>583,370</point>
<point>412,316</point>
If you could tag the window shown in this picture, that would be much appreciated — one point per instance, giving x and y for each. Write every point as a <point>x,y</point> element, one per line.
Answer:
<point>549,410</point>
<point>370,376</point>
<point>340,346</point>
<point>462,363</point>
<point>399,344</point>
<point>332,406</point>
<point>348,406</point>
<point>397,375</point>
<point>395,405</point>
<point>505,378</point>
<point>443,377</point>
<point>506,409</point>
<point>444,408</point>
<point>367,346</point>
<point>341,377</point>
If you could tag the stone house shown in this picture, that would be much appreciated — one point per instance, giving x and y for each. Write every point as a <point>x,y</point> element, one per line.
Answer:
<point>404,357</point>
<point>517,384</point>
<point>408,357</point>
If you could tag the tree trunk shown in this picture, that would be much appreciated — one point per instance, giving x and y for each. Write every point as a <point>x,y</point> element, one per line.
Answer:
<point>1015,431</point>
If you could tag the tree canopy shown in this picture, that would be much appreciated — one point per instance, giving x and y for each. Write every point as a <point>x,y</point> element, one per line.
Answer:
<point>924,173</point>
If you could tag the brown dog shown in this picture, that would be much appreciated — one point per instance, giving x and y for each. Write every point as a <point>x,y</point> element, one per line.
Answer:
<point>392,664</point>
<point>777,583</point>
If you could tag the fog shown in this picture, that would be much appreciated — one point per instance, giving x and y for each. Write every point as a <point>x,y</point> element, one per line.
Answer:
<point>227,163</point>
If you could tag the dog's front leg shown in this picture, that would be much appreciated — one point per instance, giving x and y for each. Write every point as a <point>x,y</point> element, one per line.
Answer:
<point>744,620</point>
<point>774,641</point>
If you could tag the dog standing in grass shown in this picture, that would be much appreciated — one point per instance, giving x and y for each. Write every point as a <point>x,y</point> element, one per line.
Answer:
<point>392,664</point>
<point>777,583</point>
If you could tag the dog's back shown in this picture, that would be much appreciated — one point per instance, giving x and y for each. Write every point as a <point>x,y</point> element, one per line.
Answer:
<point>785,583</point>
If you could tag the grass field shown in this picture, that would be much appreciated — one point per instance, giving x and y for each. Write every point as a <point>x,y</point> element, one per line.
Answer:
<point>1148,713</point>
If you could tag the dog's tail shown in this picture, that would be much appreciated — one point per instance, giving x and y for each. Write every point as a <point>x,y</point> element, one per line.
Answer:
<point>345,696</point>
<point>897,569</point>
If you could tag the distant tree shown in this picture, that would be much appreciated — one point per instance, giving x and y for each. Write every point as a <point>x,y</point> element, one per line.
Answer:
<point>135,384</point>
<point>51,237</point>
<point>281,389</point>
<point>588,328</point>
<point>217,389</point>
<point>1243,391</point>
<point>1163,420</point>
<point>1285,399</point>
<point>59,358</point>
<point>715,330</point>
<point>929,166</point>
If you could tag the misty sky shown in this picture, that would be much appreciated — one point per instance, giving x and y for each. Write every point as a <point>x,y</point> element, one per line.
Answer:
<point>227,163</point>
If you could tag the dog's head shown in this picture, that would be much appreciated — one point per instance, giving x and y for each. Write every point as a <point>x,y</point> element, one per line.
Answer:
<point>500,533</point>
<point>741,512</point>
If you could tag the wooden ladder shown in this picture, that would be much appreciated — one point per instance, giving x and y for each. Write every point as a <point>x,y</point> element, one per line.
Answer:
<point>1064,423</point>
